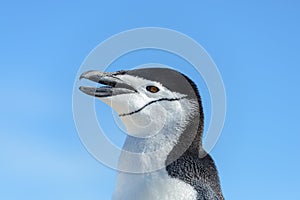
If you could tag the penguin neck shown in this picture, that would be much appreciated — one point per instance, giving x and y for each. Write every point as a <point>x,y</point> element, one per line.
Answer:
<point>172,135</point>
<point>190,141</point>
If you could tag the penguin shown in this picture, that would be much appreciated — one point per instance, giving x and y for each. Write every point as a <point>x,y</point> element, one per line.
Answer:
<point>162,111</point>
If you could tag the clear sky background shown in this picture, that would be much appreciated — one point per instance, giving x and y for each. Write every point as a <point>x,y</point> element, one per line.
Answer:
<point>255,45</point>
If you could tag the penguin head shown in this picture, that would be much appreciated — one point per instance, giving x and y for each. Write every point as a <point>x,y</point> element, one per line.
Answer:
<point>147,100</point>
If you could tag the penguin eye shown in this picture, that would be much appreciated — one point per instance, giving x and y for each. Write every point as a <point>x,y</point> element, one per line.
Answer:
<point>152,89</point>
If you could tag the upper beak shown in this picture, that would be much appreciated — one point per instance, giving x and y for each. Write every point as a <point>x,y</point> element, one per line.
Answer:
<point>113,84</point>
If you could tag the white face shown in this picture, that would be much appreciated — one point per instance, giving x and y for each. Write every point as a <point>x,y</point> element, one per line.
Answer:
<point>154,115</point>
<point>145,112</point>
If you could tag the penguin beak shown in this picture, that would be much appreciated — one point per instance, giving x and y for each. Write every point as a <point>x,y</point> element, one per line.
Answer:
<point>113,85</point>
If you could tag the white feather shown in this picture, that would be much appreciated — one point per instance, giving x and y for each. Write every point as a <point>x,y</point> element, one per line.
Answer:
<point>155,130</point>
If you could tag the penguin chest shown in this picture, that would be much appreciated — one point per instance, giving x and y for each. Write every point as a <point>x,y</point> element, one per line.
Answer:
<point>154,186</point>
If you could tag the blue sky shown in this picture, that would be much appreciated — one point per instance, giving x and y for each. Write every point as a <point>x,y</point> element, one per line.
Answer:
<point>255,45</point>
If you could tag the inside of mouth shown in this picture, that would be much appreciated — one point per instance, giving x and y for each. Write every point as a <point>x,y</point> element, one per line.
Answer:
<point>104,86</point>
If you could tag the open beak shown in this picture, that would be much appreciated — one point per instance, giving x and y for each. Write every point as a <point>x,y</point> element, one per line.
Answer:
<point>113,85</point>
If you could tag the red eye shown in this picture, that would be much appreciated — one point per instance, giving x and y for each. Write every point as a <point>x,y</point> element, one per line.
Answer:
<point>152,89</point>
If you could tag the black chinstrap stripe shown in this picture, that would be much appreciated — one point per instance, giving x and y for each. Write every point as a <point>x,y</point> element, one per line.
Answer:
<point>151,102</point>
